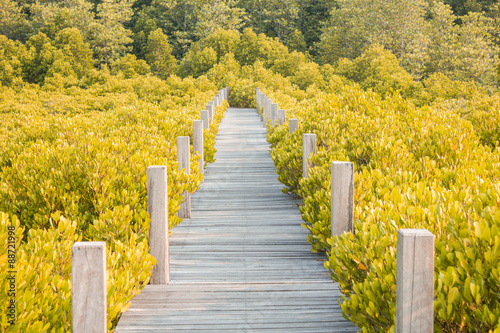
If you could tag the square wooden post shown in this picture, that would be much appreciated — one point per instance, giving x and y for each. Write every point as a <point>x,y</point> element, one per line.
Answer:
<point>308,150</point>
<point>184,163</point>
<point>198,142</point>
<point>211,111</point>
<point>415,281</point>
<point>281,117</point>
<point>342,193</point>
<point>88,279</point>
<point>267,111</point>
<point>205,118</point>
<point>274,114</point>
<point>158,231</point>
<point>293,124</point>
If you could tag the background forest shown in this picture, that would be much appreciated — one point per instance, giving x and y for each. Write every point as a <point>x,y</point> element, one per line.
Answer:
<point>456,37</point>
<point>92,92</point>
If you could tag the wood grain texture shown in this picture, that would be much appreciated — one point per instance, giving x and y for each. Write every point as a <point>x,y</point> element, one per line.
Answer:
<point>158,230</point>
<point>342,197</point>
<point>415,281</point>
<point>258,98</point>
<point>198,142</point>
<point>267,111</point>
<point>281,117</point>
<point>183,158</point>
<point>293,124</point>
<point>274,114</point>
<point>88,278</point>
<point>242,262</point>
<point>205,117</point>
<point>308,150</point>
<point>210,108</point>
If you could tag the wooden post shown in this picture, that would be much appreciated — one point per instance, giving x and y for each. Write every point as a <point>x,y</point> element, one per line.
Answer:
<point>216,102</point>
<point>204,118</point>
<point>198,142</point>
<point>257,98</point>
<point>183,161</point>
<point>158,230</point>
<point>88,279</point>
<point>308,149</point>
<point>415,281</point>
<point>274,114</point>
<point>342,201</point>
<point>227,95</point>
<point>281,117</point>
<point>211,111</point>
<point>293,124</point>
<point>267,111</point>
<point>263,103</point>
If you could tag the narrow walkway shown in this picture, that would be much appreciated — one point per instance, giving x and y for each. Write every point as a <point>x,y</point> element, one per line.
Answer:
<point>242,263</point>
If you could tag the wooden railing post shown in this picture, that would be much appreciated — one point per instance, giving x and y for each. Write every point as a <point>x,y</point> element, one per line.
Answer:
<point>158,230</point>
<point>264,106</point>
<point>216,101</point>
<point>88,279</point>
<point>263,103</point>
<point>342,197</point>
<point>293,124</point>
<point>211,111</point>
<point>267,111</point>
<point>308,150</point>
<point>281,117</point>
<point>198,142</point>
<point>257,98</point>
<point>415,281</point>
<point>274,114</point>
<point>184,162</point>
<point>205,118</point>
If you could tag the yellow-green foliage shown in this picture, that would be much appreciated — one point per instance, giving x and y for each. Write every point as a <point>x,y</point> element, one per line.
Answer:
<point>43,276</point>
<point>379,70</point>
<point>481,109</point>
<point>415,168</point>
<point>73,167</point>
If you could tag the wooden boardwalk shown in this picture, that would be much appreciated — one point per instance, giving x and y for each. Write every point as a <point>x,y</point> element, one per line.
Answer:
<point>242,262</point>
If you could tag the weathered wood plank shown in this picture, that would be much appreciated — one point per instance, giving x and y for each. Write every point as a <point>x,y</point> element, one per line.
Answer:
<point>242,262</point>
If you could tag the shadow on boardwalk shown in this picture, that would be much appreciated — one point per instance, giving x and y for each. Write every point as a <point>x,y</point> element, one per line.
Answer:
<point>242,263</point>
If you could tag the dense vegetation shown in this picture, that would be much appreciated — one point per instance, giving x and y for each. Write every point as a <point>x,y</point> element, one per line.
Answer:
<point>92,92</point>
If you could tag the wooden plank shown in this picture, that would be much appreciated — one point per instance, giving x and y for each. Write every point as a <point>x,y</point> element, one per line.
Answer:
<point>242,262</point>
